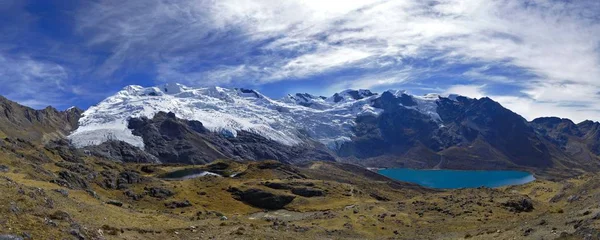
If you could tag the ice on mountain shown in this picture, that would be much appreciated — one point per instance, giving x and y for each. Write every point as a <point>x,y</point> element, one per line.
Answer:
<point>428,106</point>
<point>288,121</point>
<point>173,88</point>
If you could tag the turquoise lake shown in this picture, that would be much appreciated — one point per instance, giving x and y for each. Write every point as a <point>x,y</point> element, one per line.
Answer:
<point>452,179</point>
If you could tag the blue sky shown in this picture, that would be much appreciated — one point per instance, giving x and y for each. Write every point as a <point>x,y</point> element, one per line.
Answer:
<point>536,57</point>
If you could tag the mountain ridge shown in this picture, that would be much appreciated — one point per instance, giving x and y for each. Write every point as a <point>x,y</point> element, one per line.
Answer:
<point>359,126</point>
<point>58,191</point>
<point>37,126</point>
<point>391,129</point>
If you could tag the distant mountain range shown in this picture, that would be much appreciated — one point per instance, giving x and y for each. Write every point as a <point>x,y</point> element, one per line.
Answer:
<point>173,123</point>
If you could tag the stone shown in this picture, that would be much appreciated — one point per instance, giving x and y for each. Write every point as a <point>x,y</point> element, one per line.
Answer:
<point>379,197</point>
<point>14,208</point>
<point>115,202</point>
<point>128,177</point>
<point>63,192</point>
<point>527,231</point>
<point>77,234</point>
<point>148,169</point>
<point>92,193</point>
<point>178,204</point>
<point>572,198</point>
<point>9,237</point>
<point>60,215</point>
<point>520,205</point>
<point>159,192</point>
<point>71,180</point>
<point>131,194</point>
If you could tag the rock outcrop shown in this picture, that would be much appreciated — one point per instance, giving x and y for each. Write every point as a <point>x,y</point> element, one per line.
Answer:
<point>37,126</point>
<point>174,140</point>
<point>262,199</point>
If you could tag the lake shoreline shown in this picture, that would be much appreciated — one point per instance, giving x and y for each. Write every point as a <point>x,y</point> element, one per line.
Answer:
<point>455,179</point>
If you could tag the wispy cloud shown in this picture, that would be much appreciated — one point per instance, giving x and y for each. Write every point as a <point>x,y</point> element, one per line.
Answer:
<point>550,38</point>
<point>546,52</point>
<point>35,83</point>
<point>474,91</point>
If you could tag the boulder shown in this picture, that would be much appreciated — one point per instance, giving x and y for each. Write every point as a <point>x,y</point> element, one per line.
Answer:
<point>65,150</point>
<point>149,169</point>
<point>63,192</point>
<point>178,204</point>
<point>262,199</point>
<point>9,237</point>
<point>70,180</point>
<point>128,177</point>
<point>158,192</point>
<point>572,198</point>
<point>60,215</point>
<point>115,202</point>
<point>131,194</point>
<point>308,192</point>
<point>519,205</point>
<point>78,168</point>
<point>379,197</point>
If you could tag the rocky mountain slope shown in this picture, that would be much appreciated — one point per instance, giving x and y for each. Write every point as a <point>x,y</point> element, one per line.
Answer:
<point>38,126</point>
<point>174,140</point>
<point>227,111</point>
<point>392,129</point>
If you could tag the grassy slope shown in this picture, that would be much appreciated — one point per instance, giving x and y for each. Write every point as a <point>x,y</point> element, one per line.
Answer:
<point>347,211</point>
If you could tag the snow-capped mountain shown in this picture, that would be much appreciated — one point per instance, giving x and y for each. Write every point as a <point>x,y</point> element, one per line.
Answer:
<point>178,124</point>
<point>291,120</point>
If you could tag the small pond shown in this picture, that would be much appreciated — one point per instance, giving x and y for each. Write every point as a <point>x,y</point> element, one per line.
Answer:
<point>452,179</point>
<point>187,174</point>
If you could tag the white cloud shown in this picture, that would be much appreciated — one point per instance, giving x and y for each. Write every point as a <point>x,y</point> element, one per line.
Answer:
<point>472,91</point>
<point>34,83</point>
<point>531,109</point>
<point>231,41</point>
<point>567,101</point>
<point>479,74</point>
<point>311,64</point>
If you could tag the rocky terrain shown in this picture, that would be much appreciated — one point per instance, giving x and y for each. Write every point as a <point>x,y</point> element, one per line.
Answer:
<point>251,187</point>
<point>37,126</point>
<point>46,196</point>
<point>174,140</point>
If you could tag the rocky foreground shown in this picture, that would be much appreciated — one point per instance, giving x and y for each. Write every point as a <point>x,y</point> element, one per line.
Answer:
<point>54,192</point>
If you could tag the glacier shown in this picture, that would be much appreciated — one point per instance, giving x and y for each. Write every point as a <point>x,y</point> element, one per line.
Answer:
<point>294,119</point>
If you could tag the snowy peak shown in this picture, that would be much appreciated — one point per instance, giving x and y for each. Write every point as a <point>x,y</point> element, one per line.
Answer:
<point>306,97</point>
<point>350,95</point>
<point>244,92</point>
<point>306,100</point>
<point>173,88</point>
<point>168,88</point>
<point>294,119</point>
